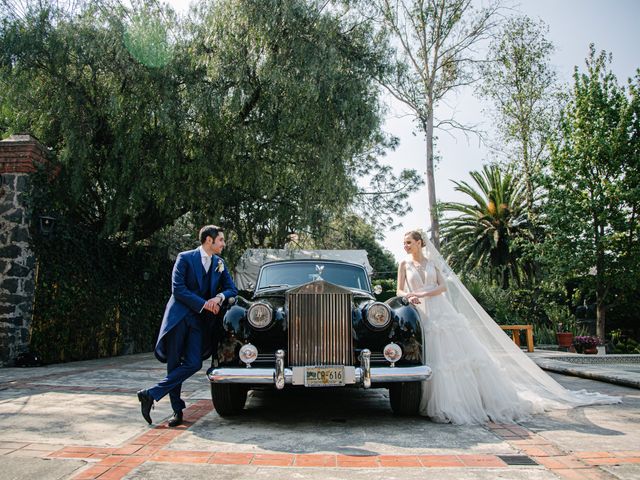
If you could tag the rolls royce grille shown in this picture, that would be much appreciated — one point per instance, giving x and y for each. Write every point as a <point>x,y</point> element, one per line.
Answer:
<point>320,329</point>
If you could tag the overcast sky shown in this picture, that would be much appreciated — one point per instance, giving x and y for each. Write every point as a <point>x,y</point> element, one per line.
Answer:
<point>612,25</point>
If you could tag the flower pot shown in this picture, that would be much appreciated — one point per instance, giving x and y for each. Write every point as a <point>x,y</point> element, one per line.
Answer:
<point>591,350</point>
<point>565,339</point>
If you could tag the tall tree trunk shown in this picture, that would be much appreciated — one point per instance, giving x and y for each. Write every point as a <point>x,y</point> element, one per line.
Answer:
<point>600,314</point>
<point>431,182</point>
<point>600,281</point>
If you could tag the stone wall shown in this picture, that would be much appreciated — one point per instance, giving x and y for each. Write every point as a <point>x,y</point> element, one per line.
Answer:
<point>19,156</point>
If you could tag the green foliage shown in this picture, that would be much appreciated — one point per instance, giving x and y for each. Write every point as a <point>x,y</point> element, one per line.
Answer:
<point>94,298</point>
<point>592,186</point>
<point>484,235</point>
<point>114,125</point>
<point>352,232</point>
<point>522,86</point>
<point>495,301</point>
<point>147,40</point>
<point>258,116</point>
<point>563,320</point>
<point>544,334</point>
<point>542,306</point>
<point>622,344</point>
<point>295,116</point>
<point>389,288</point>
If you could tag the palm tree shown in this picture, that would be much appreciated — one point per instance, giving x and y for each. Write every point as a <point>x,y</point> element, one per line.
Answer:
<point>488,233</point>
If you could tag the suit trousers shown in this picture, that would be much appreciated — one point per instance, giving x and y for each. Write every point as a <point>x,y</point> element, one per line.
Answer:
<point>183,345</point>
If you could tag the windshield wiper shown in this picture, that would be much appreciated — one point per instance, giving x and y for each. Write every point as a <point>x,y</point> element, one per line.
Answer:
<point>276,286</point>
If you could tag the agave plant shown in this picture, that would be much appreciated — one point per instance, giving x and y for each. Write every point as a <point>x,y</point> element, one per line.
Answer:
<point>488,233</point>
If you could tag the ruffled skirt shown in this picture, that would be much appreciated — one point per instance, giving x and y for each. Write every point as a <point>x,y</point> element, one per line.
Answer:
<point>467,385</point>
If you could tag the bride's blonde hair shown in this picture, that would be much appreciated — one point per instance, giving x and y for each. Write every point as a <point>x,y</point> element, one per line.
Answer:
<point>417,236</point>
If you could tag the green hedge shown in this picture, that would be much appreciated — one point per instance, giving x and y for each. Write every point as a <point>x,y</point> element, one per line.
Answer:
<point>96,298</point>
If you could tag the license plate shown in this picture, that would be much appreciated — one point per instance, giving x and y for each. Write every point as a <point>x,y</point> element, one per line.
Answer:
<point>324,376</point>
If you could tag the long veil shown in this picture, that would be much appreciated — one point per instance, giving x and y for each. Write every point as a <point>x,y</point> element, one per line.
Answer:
<point>532,383</point>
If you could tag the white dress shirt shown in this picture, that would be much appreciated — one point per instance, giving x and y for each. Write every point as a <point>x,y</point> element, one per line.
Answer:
<point>206,263</point>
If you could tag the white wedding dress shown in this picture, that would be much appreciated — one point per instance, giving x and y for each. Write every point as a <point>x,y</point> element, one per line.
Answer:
<point>479,374</point>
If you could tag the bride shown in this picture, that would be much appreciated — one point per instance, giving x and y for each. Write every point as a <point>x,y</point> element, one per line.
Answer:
<point>479,374</point>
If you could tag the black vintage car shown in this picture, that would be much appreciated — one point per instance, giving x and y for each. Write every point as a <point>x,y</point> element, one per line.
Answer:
<point>316,323</point>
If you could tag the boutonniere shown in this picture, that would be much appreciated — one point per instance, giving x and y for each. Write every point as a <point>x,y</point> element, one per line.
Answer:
<point>220,267</point>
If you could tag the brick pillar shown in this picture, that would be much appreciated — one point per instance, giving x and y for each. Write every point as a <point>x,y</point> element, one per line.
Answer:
<point>19,156</point>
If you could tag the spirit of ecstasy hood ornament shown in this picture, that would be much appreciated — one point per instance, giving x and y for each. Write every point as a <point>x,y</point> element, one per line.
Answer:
<point>319,269</point>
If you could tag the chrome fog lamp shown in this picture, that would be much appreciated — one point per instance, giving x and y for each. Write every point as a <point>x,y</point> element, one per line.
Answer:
<point>392,352</point>
<point>260,315</point>
<point>248,354</point>
<point>378,315</point>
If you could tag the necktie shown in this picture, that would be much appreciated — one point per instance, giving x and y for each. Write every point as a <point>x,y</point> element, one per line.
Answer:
<point>206,263</point>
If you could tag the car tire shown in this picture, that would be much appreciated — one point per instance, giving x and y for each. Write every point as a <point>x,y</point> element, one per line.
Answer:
<point>228,399</point>
<point>405,398</point>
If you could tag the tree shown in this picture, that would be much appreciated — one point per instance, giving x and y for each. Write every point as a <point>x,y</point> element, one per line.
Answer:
<point>255,115</point>
<point>352,232</point>
<point>69,80</point>
<point>592,185</point>
<point>486,235</point>
<point>522,86</point>
<point>436,40</point>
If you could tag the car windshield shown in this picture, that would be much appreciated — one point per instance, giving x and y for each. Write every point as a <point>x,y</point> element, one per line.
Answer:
<point>293,274</point>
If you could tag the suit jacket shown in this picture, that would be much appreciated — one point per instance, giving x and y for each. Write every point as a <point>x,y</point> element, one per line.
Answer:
<point>186,280</point>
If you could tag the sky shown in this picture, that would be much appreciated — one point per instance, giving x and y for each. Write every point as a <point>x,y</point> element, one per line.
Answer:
<point>612,25</point>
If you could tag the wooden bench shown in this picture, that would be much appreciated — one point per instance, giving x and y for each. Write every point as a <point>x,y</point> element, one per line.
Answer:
<point>515,334</point>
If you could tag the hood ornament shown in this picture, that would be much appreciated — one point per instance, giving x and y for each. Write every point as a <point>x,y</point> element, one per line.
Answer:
<point>319,270</point>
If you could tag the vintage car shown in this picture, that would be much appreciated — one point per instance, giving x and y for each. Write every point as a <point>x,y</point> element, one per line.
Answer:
<point>316,323</point>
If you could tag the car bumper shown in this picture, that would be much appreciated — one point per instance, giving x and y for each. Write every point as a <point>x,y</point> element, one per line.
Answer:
<point>295,376</point>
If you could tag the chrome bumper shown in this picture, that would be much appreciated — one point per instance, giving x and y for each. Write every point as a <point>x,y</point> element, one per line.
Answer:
<point>279,376</point>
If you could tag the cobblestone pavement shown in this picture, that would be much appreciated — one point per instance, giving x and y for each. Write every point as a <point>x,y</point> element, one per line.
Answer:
<point>82,421</point>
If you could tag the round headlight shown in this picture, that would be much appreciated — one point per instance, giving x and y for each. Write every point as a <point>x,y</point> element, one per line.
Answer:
<point>260,315</point>
<point>392,352</point>
<point>378,315</point>
<point>248,353</point>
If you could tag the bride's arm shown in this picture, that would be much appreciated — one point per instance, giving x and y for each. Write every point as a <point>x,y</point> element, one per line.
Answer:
<point>400,291</point>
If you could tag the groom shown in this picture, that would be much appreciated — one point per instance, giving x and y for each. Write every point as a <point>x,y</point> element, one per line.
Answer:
<point>200,283</point>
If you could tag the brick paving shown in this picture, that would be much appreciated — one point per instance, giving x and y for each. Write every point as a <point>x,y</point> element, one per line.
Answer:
<point>116,463</point>
<point>156,445</point>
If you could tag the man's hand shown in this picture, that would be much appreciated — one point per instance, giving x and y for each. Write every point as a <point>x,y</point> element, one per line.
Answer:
<point>213,305</point>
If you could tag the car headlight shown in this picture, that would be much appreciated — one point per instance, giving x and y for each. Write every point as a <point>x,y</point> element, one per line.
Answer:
<point>260,315</point>
<point>378,315</point>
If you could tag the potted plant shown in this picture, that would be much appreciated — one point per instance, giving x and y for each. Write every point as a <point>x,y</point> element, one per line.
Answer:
<point>565,324</point>
<point>564,338</point>
<point>586,344</point>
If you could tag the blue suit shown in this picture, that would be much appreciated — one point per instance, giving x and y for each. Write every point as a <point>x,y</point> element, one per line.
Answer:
<point>185,333</point>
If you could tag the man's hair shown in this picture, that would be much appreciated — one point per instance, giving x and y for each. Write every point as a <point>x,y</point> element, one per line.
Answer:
<point>209,231</point>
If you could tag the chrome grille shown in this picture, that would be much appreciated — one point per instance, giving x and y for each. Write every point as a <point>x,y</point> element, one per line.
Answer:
<point>320,329</point>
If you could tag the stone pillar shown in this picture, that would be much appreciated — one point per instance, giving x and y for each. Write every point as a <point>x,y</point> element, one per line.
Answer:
<point>19,156</point>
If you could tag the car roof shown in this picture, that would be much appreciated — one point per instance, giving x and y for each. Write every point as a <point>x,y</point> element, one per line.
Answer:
<point>313,260</point>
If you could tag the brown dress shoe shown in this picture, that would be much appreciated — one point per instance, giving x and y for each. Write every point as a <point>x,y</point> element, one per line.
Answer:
<point>175,420</point>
